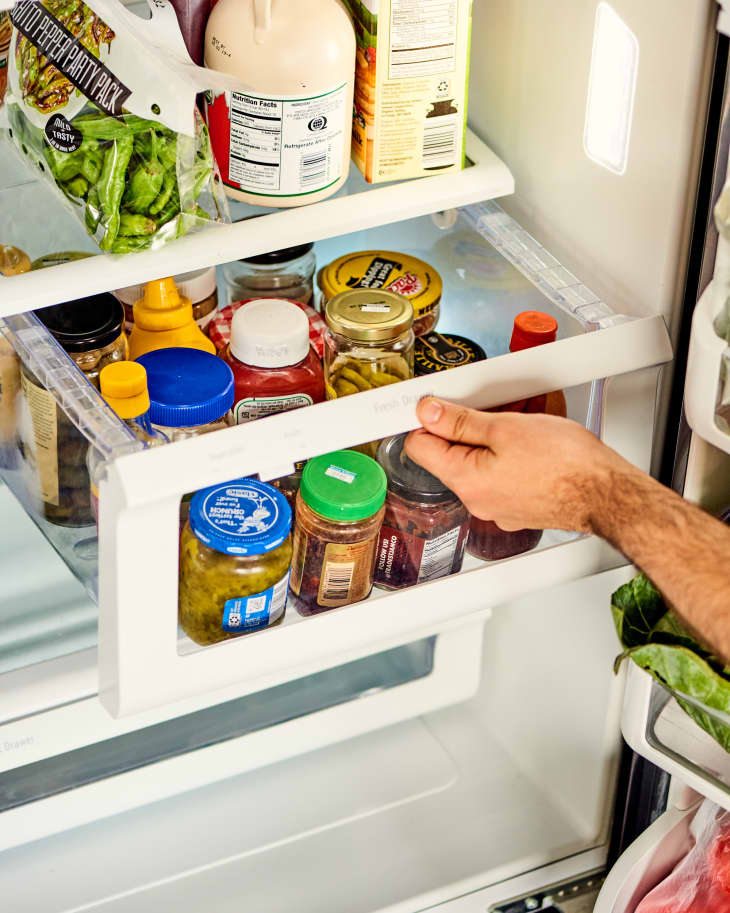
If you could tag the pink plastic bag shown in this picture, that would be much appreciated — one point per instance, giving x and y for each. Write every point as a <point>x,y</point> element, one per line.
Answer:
<point>701,881</point>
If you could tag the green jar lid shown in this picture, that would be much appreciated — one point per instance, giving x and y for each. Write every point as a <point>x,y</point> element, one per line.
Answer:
<point>345,486</point>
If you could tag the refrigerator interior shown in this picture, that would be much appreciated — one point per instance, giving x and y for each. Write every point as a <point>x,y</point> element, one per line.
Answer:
<point>520,776</point>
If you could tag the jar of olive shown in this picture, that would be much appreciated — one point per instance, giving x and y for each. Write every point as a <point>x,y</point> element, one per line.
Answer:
<point>368,344</point>
<point>90,332</point>
<point>235,555</point>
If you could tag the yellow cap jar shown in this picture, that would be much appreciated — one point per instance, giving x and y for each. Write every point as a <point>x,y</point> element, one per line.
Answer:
<point>415,279</point>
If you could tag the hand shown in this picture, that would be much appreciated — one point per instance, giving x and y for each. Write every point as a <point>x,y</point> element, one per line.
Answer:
<point>521,471</point>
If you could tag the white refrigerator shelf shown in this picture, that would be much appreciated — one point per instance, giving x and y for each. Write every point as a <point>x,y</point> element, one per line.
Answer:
<point>255,230</point>
<point>704,383</point>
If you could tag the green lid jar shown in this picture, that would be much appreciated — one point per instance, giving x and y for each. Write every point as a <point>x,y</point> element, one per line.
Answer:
<point>339,513</point>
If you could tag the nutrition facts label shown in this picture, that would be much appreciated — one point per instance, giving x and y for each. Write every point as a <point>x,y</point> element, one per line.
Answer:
<point>438,555</point>
<point>422,37</point>
<point>287,146</point>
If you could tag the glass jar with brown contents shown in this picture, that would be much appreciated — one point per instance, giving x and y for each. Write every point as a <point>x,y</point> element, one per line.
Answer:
<point>90,331</point>
<point>286,273</point>
<point>339,512</point>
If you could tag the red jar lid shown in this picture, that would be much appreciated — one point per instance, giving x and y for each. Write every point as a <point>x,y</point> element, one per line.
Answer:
<point>532,328</point>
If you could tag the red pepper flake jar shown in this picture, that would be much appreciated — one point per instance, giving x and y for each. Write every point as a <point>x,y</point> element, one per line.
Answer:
<point>425,525</point>
<point>275,369</point>
<point>339,513</point>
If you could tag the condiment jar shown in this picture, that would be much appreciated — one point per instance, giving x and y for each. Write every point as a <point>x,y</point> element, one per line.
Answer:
<point>13,260</point>
<point>163,318</point>
<point>369,344</point>
<point>436,352</point>
<point>274,366</point>
<point>425,526</point>
<point>385,269</point>
<point>90,331</point>
<point>285,139</point>
<point>124,387</point>
<point>235,554</point>
<point>286,273</point>
<point>339,512</point>
<point>199,286</point>
<point>190,391</point>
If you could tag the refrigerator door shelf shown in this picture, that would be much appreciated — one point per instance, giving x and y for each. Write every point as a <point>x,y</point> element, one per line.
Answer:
<point>703,380</point>
<point>255,230</point>
<point>647,862</point>
<point>657,728</point>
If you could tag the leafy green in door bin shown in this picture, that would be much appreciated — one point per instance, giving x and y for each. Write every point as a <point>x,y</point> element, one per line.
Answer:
<point>657,641</point>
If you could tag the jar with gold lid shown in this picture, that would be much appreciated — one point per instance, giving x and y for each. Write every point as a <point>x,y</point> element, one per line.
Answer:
<point>369,342</point>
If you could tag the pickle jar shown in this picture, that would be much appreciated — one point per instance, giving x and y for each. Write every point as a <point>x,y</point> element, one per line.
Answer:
<point>425,526</point>
<point>90,331</point>
<point>339,512</point>
<point>235,555</point>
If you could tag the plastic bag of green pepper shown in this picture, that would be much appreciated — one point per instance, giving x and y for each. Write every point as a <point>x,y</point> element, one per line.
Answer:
<point>102,103</point>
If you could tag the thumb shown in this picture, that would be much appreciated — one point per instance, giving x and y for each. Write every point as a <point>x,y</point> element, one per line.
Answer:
<point>455,423</point>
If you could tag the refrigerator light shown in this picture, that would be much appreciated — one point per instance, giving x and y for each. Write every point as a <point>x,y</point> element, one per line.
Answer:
<point>611,90</point>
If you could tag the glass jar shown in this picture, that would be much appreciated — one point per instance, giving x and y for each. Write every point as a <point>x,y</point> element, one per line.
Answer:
<point>425,525</point>
<point>339,512</point>
<point>90,331</point>
<point>415,279</point>
<point>275,368</point>
<point>199,286</point>
<point>369,344</point>
<point>286,273</point>
<point>235,555</point>
<point>490,542</point>
<point>190,391</point>
<point>436,352</point>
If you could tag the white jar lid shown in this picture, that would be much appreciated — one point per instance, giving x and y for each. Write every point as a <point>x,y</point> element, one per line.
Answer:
<point>197,285</point>
<point>269,333</point>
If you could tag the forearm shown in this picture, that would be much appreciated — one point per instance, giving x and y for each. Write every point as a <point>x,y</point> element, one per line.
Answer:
<point>684,551</point>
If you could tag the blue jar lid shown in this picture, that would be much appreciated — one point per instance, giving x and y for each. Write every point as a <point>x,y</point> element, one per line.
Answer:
<point>243,517</point>
<point>187,387</point>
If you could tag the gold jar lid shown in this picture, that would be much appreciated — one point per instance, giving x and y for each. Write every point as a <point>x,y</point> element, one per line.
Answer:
<point>369,315</point>
<point>13,261</point>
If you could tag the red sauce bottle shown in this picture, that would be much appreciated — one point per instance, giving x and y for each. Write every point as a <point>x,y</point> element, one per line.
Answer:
<point>274,366</point>
<point>486,539</point>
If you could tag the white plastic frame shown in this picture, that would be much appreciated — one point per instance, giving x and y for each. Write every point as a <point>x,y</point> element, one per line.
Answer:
<point>139,663</point>
<point>706,349</point>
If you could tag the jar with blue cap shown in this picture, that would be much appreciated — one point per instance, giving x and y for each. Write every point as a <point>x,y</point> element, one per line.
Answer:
<point>190,391</point>
<point>235,555</point>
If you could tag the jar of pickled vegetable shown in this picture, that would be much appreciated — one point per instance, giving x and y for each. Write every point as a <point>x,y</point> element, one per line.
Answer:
<point>369,343</point>
<point>425,525</point>
<point>339,512</point>
<point>235,555</point>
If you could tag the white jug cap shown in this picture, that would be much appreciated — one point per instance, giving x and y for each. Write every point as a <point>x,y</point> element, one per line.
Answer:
<point>269,333</point>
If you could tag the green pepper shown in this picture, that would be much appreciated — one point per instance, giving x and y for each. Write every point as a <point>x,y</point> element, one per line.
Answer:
<point>93,213</point>
<point>64,165</point>
<point>91,166</point>
<point>167,151</point>
<point>125,245</point>
<point>145,183</point>
<point>133,224</point>
<point>102,127</point>
<point>169,183</point>
<point>111,186</point>
<point>78,187</point>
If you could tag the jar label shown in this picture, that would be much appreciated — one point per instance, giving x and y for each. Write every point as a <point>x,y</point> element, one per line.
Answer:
<point>342,475</point>
<point>279,146</point>
<point>404,559</point>
<point>41,444</point>
<point>253,407</point>
<point>346,573</point>
<point>258,610</point>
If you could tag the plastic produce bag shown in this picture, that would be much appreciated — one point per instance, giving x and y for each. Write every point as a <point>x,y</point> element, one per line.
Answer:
<point>102,103</point>
<point>700,883</point>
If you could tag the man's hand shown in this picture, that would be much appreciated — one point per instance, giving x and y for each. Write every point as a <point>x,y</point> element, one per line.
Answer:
<point>521,471</point>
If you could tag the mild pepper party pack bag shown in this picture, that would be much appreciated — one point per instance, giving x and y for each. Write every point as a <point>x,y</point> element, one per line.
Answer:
<point>102,104</point>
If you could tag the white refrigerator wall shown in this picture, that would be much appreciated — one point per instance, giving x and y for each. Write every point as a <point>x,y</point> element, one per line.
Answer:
<point>530,65</point>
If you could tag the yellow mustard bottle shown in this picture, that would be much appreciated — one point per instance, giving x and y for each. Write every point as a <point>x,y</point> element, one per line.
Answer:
<point>163,318</point>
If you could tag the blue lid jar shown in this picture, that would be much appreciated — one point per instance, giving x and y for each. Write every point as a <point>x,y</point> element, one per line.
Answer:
<point>187,387</point>
<point>243,517</point>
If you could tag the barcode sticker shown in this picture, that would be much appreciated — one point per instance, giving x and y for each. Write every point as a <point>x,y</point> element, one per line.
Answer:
<point>336,582</point>
<point>438,555</point>
<point>439,145</point>
<point>258,610</point>
<point>344,475</point>
<point>313,169</point>
<point>376,308</point>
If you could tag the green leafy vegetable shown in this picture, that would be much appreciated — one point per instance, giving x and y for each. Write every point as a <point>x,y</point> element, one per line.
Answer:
<point>656,640</point>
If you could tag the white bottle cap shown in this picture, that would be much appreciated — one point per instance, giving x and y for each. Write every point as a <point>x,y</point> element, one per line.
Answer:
<point>269,333</point>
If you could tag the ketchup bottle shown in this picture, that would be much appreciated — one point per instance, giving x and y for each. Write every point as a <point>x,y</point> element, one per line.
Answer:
<point>486,540</point>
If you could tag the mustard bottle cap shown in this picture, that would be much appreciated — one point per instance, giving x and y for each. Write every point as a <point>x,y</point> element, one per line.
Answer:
<point>124,386</point>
